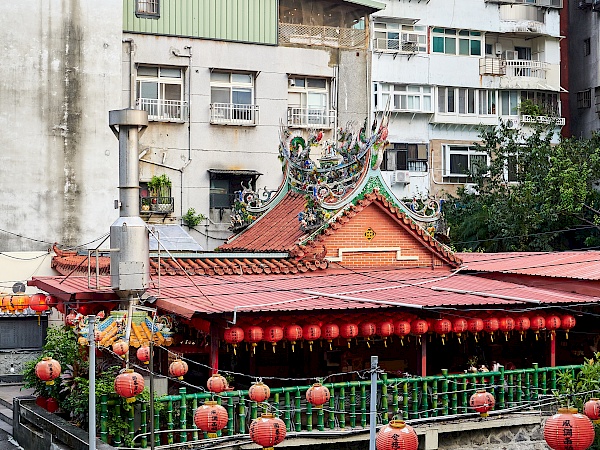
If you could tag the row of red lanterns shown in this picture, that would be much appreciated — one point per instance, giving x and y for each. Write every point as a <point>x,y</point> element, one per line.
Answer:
<point>254,334</point>
<point>20,302</point>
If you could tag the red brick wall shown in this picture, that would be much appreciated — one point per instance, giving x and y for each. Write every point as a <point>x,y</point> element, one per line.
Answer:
<point>388,233</point>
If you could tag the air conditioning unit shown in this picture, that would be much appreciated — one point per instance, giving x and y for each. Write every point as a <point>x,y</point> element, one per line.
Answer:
<point>401,177</point>
<point>409,46</point>
<point>510,55</point>
<point>512,123</point>
<point>498,49</point>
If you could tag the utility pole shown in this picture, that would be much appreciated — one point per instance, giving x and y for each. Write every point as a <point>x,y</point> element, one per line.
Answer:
<point>92,385</point>
<point>373,409</point>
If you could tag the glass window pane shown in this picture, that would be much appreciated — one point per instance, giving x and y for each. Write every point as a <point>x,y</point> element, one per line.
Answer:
<point>471,101</point>
<point>461,101</point>
<point>414,88</point>
<point>476,48</point>
<point>438,44</point>
<point>299,82</point>
<point>438,30</point>
<point>459,164</point>
<point>404,103</point>
<point>450,31</point>
<point>241,97</point>
<point>450,46</point>
<point>427,104</point>
<point>442,100</point>
<point>463,47</point>
<point>426,89</point>
<point>318,100</point>
<point>170,73</point>
<point>219,95</point>
<point>316,83</point>
<point>475,33</point>
<point>221,77</point>
<point>241,78</point>
<point>450,99</point>
<point>463,33</point>
<point>172,91</point>
<point>397,103</point>
<point>147,71</point>
<point>149,90</point>
<point>478,163</point>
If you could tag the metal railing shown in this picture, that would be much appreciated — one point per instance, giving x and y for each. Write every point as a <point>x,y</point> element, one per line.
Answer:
<point>233,114</point>
<point>526,68</point>
<point>310,117</point>
<point>395,45</point>
<point>542,3</point>
<point>411,398</point>
<point>558,121</point>
<point>336,37</point>
<point>158,205</point>
<point>164,110</point>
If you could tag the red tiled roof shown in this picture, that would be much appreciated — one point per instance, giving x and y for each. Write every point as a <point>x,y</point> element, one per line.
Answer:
<point>578,265</point>
<point>336,289</point>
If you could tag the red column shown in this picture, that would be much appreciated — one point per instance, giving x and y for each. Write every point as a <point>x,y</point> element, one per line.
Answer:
<point>423,368</point>
<point>553,352</point>
<point>214,348</point>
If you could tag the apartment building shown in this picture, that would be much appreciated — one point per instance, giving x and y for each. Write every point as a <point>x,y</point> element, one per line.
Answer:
<point>446,68</point>
<point>584,66</point>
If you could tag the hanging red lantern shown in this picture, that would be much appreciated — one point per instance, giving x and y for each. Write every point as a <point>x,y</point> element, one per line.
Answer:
<point>178,369</point>
<point>143,354</point>
<point>39,303</point>
<point>210,418</point>
<point>442,327</point>
<point>403,328</point>
<point>537,324</point>
<point>259,392</point>
<point>482,401</point>
<point>552,324</point>
<point>475,326</point>
<point>273,334</point>
<point>128,384</point>
<point>233,336</point>
<point>253,334</point>
<point>568,430</point>
<point>592,409</point>
<point>216,383</point>
<point>522,324</point>
<point>396,435</point>
<point>48,370</point>
<point>5,304</point>
<point>506,325</point>
<point>311,333</point>
<point>20,302</point>
<point>71,319</point>
<point>317,395</point>
<point>491,325</point>
<point>330,332</point>
<point>349,331</point>
<point>367,330</point>
<point>384,330</point>
<point>121,348</point>
<point>419,327</point>
<point>293,333</point>
<point>267,431</point>
<point>567,322</point>
<point>459,326</point>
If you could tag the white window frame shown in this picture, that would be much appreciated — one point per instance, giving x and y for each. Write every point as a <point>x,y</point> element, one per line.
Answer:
<point>397,37</point>
<point>161,107</point>
<point>405,97</point>
<point>227,111</point>
<point>147,9</point>
<point>455,37</point>
<point>466,101</point>
<point>309,102</point>
<point>460,149</point>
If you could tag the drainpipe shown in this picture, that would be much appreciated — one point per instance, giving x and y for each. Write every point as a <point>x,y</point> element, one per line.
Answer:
<point>131,72</point>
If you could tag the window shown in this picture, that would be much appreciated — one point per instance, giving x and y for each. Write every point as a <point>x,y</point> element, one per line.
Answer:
<point>404,156</point>
<point>160,92</point>
<point>487,102</point>
<point>460,160</point>
<point>308,103</point>
<point>403,97</point>
<point>232,98</point>
<point>584,99</point>
<point>456,42</point>
<point>509,103</point>
<point>465,101</point>
<point>148,9</point>
<point>587,47</point>
<point>399,37</point>
<point>597,98</point>
<point>225,183</point>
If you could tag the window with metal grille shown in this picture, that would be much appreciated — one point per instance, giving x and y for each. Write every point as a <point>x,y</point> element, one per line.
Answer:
<point>584,99</point>
<point>462,160</point>
<point>404,156</point>
<point>160,92</point>
<point>147,9</point>
<point>232,98</point>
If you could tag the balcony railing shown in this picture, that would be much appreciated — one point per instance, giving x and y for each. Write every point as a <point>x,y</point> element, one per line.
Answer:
<point>395,45</point>
<point>233,114</point>
<point>412,398</point>
<point>541,3</point>
<point>164,110</point>
<point>310,35</point>
<point>157,205</point>
<point>310,117</point>
<point>526,68</point>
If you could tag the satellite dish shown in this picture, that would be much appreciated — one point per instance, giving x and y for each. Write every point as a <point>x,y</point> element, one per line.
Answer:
<point>18,287</point>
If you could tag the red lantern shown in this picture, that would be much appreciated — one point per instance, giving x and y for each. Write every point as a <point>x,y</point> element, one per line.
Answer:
<point>568,430</point>
<point>293,333</point>
<point>143,354</point>
<point>491,325</point>
<point>71,319</point>
<point>522,324</point>
<point>419,327</point>
<point>442,327</point>
<point>128,384</point>
<point>396,435</point>
<point>267,431</point>
<point>459,326</point>
<point>385,329</point>
<point>253,335</point>
<point>506,325</point>
<point>39,303</point>
<point>592,409</point>
<point>259,392</point>
<point>178,369</point>
<point>367,330</point>
<point>537,323</point>
<point>567,322</point>
<point>403,328</point>
<point>330,332</point>
<point>48,370</point>
<point>475,326</point>
<point>317,395</point>
<point>552,324</point>
<point>274,334</point>
<point>349,331</point>
<point>234,336</point>
<point>120,348</point>
<point>216,383</point>
<point>311,333</point>
<point>211,417</point>
<point>482,402</point>
<point>20,302</point>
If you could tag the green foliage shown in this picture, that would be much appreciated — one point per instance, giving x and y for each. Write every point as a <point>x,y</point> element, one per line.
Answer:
<point>160,186</point>
<point>552,191</point>
<point>192,219</point>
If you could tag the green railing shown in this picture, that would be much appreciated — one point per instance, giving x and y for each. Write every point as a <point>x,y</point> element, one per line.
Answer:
<point>410,398</point>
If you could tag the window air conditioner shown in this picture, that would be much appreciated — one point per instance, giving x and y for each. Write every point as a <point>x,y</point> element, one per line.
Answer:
<point>401,177</point>
<point>510,55</point>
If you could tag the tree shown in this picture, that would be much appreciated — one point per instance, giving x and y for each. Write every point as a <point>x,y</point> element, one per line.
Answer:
<point>549,202</point>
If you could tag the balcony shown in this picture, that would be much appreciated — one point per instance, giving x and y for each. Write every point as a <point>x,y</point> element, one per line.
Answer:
<point>518,68</point>
<point>541,3</point>
<point>233,114</point>
<point>164,110</point>
<point>321,36</point>
<point>310,117</point>
<point>395,46</point>
<point>157,205</point>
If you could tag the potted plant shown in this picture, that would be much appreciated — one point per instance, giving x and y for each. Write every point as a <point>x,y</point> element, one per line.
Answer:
<point>159,188</point>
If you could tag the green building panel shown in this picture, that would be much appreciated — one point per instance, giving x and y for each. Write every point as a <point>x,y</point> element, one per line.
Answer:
<point>228,20</point>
